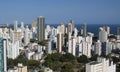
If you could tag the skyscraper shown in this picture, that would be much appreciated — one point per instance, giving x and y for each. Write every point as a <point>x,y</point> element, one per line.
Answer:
<point>33,24</point>
<point>60,41</point>
<point>15,25</point>
<point>84,30</point>
<point>103,36</point>
<point>71,26</point>
<point>41,28</point>
<point>118,33</point>
<point>26,36</point>
<point>3,62</point>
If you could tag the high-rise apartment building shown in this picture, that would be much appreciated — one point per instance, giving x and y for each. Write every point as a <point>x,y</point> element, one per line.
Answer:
<point>106,28</point>
<point>3,62</point>
<point>103,36</point>
<point>27,36</point>
<point>60,41</point>
<point>15,25</point>
<point>41,28</point>
<point>107,47</point>
<point>72,46</point>
<point>33,24</point>
<point>98,47</point>
<point>118,33</point>
<point>101,65</point>
<point>84,30</point>
<point>70,26</point>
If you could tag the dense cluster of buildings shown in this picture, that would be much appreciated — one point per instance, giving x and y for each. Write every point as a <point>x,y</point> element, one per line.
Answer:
<point>63,38</point>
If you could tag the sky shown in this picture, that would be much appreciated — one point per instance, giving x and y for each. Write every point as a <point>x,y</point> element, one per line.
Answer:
<point>57,11</point>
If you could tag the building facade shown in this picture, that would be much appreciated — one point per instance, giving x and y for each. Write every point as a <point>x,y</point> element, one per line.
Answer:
<point>101,65</point>
<point>3,62</point>
<point>41,28</point>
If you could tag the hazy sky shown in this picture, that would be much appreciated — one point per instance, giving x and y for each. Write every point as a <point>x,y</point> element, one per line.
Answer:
<point>57,11</point>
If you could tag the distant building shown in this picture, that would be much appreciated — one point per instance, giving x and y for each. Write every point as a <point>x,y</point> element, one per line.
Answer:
<point>98,47</point>
<point>15,25</point>
<point>101,65</point>
<point>13,49</point>
<point>3,62</point>
<point>48,70</point>
<point>106,48</point>
<point>84,30</point>
<point>26,36</point>
<point>84,45</point>
<point>19,68</point>
<point>49,47</point>
<point>72,46</point>
<point>118,33</point>
<point>61,28</point>
<point>103,36</point>
<point>29,54</point>
<point>71,26</point>
<point>60,42</point>
<point>41,28</point>
<point>33,24</point>
<point>37,56</point>
<point>106,28</point>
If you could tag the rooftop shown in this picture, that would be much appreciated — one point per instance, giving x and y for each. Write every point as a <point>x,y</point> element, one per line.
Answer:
<point>93,63</point>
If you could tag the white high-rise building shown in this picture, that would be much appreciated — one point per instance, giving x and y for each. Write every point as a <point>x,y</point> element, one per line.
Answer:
<point>59,42</point>
<point>15,25</point>
<point>103,36</point>
<point>106,47</point>
<point>72,46</point>
<point>85,45</point>
<point>62,28</point>
<point>89,39</point>
<point>54,31</point>
<point>86,49</point>
<point>22,29</point>
<point>69,35</point>
<point>101,65</point>
<point>27,36</point>
<point>49,47</point>
<point>98,48</point>
<point>75,32</point>
<point>12,49</point>
<point>47,31</point>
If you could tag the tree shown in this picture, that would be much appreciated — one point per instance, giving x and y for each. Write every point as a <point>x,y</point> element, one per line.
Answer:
<point>94,57</point>
<point>68,57</point>
<point>56,60</point>
<point>82,59</point>
<point>52,61</point>
<point>10,63</point>
<point>21,59</point>
<point>68,67</point>
<point>43,43</point>
<point>48,63</point>
<point>56,65</point>
<point>115,59</point>
<point>32,40</point>
<point>55,56</point>
<point>33,63</point>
